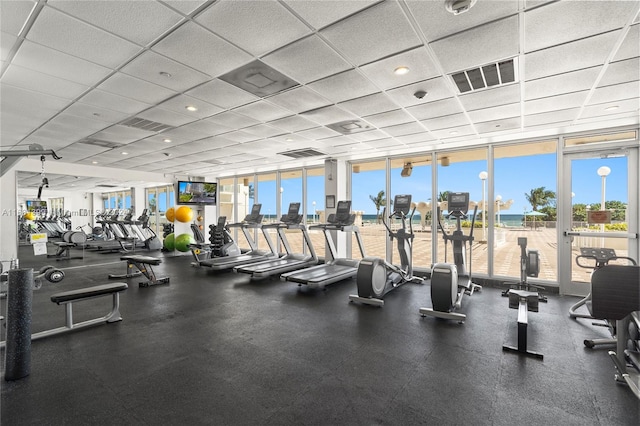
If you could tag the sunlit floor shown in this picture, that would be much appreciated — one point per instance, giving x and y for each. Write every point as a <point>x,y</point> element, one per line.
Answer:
<point>218,348</point>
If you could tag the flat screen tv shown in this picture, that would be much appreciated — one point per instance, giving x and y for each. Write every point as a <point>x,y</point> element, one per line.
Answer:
<point>39,207</point>
<point>196,192</point>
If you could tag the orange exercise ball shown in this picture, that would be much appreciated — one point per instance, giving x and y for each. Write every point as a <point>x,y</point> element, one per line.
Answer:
<point>170,214</point>
<point>184,214</point>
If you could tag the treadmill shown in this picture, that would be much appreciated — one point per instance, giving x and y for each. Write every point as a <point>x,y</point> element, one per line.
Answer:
<point>290,261</point>
<point>252,221</point>
<point>334,269</point>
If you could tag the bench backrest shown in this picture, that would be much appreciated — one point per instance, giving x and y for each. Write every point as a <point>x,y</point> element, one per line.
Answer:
<point>615,291</point>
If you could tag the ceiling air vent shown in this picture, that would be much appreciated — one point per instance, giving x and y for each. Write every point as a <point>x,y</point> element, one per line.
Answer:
<point>258,78</point>
<point>98,142</point>
<point>148,125</point>
<point>489,75</point>
<point>104,185</point>
<point>349,127</point>
<point>302,153</point>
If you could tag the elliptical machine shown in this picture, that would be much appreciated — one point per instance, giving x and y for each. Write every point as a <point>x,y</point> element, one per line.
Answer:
<point>376,277</point>
<point>450,282</point>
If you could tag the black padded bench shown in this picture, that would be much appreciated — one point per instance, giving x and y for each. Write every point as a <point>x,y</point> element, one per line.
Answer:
<point>63,253</point>
<point>67,298</point>
<point>144,265</point>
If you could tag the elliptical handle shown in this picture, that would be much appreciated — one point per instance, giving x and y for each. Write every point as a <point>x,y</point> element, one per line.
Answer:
<point>473,222</point>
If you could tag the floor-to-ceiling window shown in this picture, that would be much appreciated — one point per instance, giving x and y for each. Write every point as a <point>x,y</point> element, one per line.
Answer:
<point>267,195</point>
<point>369,200</point>
<point>315,207</point>
<point>291,192</point>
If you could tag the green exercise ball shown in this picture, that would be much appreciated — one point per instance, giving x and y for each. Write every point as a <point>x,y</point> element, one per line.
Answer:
<point>183,241</point>
<point>169,242</point>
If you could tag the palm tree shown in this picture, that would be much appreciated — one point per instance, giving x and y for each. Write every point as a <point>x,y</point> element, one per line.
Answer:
<point>379,201</point>
<point>539,197</point>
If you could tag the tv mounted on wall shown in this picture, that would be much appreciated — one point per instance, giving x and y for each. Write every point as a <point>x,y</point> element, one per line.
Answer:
<point>196,192</point>
<point>39,207</point>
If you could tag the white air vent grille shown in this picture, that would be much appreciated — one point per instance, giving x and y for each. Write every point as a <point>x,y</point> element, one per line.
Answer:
<point>489,75</point>
<point>104,185</point>
<point>148,125</point>
<point>98,142</point>
<point>349,127</point>
<point>302,153</point>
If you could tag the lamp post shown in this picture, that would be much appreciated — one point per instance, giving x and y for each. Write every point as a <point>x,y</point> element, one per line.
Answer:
<point>603,172</point>
<point>498,201</point>
<point>314,212</point>
<point>483,177</point>
<point>281,206</point>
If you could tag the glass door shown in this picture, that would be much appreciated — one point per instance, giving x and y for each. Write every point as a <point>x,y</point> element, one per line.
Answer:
<point>600,213</point>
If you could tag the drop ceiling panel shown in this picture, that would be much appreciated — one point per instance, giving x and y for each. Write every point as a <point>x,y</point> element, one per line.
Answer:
<point>145,146</point>
<point>185,6</point>
<point>149,65</point>
<point>389,118</point>
<point>616,92</point>
<point>435,109</point>
<point>415,138</point>
<point>203,128</point>
<point>80,109</point>
<point>369,105</point>
<point>630,47</point>
<point>263,130</point>
<point>318,133</point>
<point>121,134</point>
<point>14,15</point>
<point>307,60</point>
<point>478,46</point>
<point>58,64</point>
<point>81,125</point>
<point>211,49</point>
<point>418,61</point>
<point>601,110</point>
<point>293,123</point>
<point>551,117</point>
<point>436,22</point>
<point>436,88</point>
<point>107,100</point>
<point>356,40</point>
<point>568,57</point>
<point>563,83</point>
<point>221,93</point>
<point>165,116</point>
<point>562,22</point>
<point>370,135</point>
<point>138,21</point>
<point>43,83</point>
<point>134,88</point>
<point>328,115</point>
<point>236,21</point>
<point>495,113</point>
<point>299,99</point>
<point>66,34</point>
<point>404,129</point>
<point>6,44</point>
<point>262,111</point>
<point>341,87</point>
<point>36,106</point>
<point>233,120</point>
<point>448,121</point>
<point>178,104</point>
<point>240,136</point>
<point>80,151</point>
<point>620,72</point>
<point>454,133</point>
<point>498,126</point>
<point>554,103</point>
<point>491,97</point>
<point>322,13</point>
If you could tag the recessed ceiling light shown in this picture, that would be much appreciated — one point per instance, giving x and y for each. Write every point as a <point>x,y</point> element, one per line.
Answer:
<point>453,132</point>
<point>165,74</point>
<point>401,70</point>
<point>167,140</point>
<point>94,162</point>
<point>96,114</point>
<point>124,153</point>
<point>611,108</point>
<point>289,140</point>
<point>191,108</point>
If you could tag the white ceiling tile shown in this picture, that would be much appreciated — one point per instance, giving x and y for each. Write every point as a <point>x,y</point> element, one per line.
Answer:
<point>93,112</point>
<point>551,117</point>
<point>113,102</point>
<point>190,38</point>
<point>165,116</point>
<point>600,110</point>
<point>435,109</point>
<point>14,15</point>
<point>448,121</point>
<point>6,44</point>
<point>307,60</point>
<point>389,118</point>
<point>263,130</point>
<point>630,47</point>
<point>404,129</point>
<point>33,80</point>
<point>370,135</point>
<point>453,133</point>
<point>564,83</point>
<point>138,21</point>
<point>620,72</point>
<point>436,88</point>
<point>318,133</point>
<point>299,99</point>
<point>347,85</point>
<point>240,136</point>
<point>478,46</point>
<point>562,22</point>
<point>328,115</point>
<point>58,64</point>
<point>203,128</point>
<point>66,34</point>
<point>121,134</point>
<point>134,88</point>
<point>149,65</point>
<point>232,119</point>
<point>568,57</point>
<point>35,105</point>
<point>293,123</point>
<point>435,22</point>
<point>418,61</point>
<point>369,105</point>
<point>415,138</point>
<point>501,112</point>
<point>185,6</point>
<point>616,92</point>
<point>382,143</point>
<point>491,97</point>
<point>236,21</point>
<point>322,13</point>
<point>356,40</point>
<point>221,93</point>
<point>262,111</point>
<point>83,125</point>
<point>553,103</point>
<point>498,126</point>
<point>178,104</point>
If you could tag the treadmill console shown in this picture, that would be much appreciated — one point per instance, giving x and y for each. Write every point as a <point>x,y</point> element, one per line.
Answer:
<point>458,201</point>
<point>402,204</point>
<point>343,213</point>
<point>254,216</point>
<point>293,215</point>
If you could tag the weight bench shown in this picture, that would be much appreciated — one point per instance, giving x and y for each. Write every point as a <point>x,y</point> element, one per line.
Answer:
<point>63,253</point>
<point>67,298</point>
<point>143,263</point>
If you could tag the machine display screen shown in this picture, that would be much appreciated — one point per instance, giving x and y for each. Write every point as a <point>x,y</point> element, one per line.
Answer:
<point>402,203</point>
<point>458,201</point>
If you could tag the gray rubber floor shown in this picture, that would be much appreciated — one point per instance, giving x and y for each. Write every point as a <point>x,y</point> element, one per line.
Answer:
<point>220,349</point>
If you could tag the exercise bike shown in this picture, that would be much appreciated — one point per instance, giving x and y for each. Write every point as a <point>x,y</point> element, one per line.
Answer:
<point>376,277</point>
<point>596,258</point>
<point>450,282</point>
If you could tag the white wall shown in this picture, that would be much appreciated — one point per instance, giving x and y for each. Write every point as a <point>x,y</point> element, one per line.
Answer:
<point>8,217</point>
